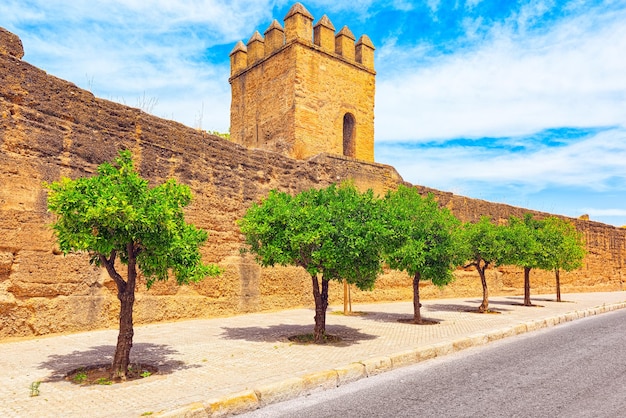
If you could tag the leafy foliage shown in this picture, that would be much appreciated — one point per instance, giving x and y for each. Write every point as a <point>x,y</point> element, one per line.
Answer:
<point>483,241</point>
<point>334,231</point>
<point>483,244</point>
<point>224,135</point>
<point>523,246</point>
<point>542,244</point>
<point>425,238</point>
<point>564,246</point>
<point>105,213</point>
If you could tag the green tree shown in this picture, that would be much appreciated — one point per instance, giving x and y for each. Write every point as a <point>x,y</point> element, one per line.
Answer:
<point>564,248</point>
<point>117,216</point>
<point>524,248</point>
<point>423,242</point>
<point>333,233</point>
<point>484,245</point>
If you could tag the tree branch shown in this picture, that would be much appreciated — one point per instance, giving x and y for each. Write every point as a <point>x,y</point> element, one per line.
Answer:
<point>132,260</point>
<point>109,264</point>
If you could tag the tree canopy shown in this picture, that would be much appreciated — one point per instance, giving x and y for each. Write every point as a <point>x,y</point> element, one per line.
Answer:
<point>524,248</point>
<point>116,215</point>
<point>333,233</point>
<point>563,248</point>
<point>424,240</point>
<point>484,245</point>
<point>548,244</point>
<point>542,243</point>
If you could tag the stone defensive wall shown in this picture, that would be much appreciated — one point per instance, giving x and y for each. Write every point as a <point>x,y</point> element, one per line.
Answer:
<point>51,128</point>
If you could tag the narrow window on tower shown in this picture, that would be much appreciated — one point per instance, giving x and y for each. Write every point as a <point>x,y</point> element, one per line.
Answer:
<point>349,128</point>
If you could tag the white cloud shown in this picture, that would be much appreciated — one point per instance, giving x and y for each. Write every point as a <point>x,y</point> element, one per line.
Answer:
<point>470,4</point>
<point>531,12</point>
<point>226,19</point>
<point>130,49</point>
<point>605,212</point>
<point>433,5</point>
<point>573,75</point>
<point>591,163</point>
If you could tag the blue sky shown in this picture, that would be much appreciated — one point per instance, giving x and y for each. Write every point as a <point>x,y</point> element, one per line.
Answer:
<point>521,102</point>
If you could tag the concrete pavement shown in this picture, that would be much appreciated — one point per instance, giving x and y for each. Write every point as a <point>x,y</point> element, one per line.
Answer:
<point>220,366</point>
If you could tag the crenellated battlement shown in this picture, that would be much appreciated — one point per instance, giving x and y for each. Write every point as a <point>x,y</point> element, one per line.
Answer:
<point>299,28</point>
<point>304,89</point>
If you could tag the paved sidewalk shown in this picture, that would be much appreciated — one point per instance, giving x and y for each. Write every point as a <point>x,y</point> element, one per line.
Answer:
<point>226,365</point>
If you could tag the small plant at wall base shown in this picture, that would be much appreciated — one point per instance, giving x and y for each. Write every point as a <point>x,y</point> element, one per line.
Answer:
<point>117,216</point>
<point>34,388</point>
<point>224,135</point>
<point>79,377</point>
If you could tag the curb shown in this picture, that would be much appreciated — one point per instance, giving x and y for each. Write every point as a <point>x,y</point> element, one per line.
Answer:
<point>294,387</point>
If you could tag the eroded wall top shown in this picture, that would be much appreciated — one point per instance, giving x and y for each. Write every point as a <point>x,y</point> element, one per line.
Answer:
<point>10,44</point>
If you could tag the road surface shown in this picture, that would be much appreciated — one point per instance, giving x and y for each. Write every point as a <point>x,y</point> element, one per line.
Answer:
<point>577,369</point>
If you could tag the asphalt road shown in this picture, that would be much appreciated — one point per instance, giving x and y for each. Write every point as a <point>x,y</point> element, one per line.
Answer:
<point>576,369</point>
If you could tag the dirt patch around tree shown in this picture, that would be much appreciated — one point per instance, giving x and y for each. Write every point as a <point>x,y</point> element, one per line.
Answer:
<point>101,374</point>
<point>488,311</point>
<point>310,339</point>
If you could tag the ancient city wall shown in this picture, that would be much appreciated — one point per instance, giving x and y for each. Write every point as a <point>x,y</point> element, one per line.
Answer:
<point>50,128</point>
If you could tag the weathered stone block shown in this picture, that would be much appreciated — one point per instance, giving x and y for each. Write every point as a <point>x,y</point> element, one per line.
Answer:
<point>377,365</point>
<point>350,373</point>
<point>37,274</point>
<point>6,262</point>
<point>11,44</point>
<point>280,391</point>
<point>404,358</point>
<point>235,404</point>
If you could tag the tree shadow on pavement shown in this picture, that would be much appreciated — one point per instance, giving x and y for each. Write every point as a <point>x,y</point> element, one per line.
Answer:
<point>395,317</point>
<point>451,307</point>
<point>282,332</point>
<point>516,301</point>
<point>154,354</point>
<point>543,299</point>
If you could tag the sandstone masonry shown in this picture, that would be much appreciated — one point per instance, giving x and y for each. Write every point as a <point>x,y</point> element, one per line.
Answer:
<point>51,128</point>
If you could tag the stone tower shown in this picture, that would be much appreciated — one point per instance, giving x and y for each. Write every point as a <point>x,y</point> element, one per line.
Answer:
<point>303,90</point>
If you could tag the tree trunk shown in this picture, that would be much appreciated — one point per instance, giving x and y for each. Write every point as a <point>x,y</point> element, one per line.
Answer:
<point>527,286</point>
<point>346,298</point>
<point>417,316</point>
<point>558,284</point>
<point>349,298</point>
<point>126,296</point>
<point>484,306</point>
<point>321,303</point>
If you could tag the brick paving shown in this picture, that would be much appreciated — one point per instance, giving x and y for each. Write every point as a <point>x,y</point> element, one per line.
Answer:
<point>203,363</point>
